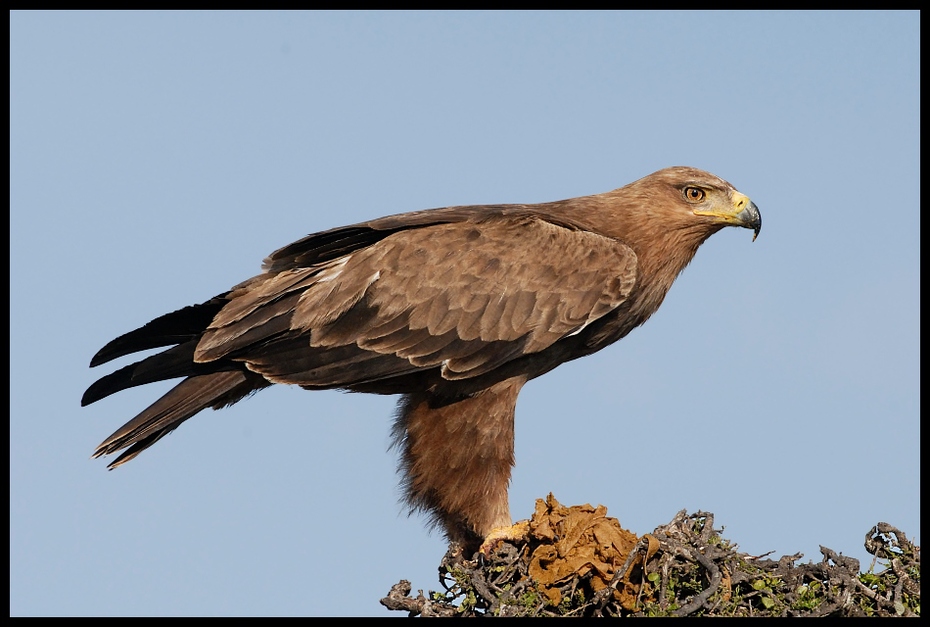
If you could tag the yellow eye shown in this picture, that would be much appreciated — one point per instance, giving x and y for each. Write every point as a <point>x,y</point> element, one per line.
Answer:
<point>694,194</point>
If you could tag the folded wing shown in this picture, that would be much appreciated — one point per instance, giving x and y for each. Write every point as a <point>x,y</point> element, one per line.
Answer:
<point>368,308</point>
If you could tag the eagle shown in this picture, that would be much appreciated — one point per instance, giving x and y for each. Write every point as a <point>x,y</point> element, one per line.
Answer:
<point>453,309</point>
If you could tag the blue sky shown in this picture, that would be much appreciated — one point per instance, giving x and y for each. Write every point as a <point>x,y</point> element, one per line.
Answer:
<point>157,158</point>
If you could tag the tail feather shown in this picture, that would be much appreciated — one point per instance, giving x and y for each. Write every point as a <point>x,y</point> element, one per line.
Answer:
<point>176,327</point>
<point>182,402</point>
<point>170,364</point>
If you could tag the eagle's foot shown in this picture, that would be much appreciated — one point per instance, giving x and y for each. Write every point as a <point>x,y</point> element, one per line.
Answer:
<point>517,531</point>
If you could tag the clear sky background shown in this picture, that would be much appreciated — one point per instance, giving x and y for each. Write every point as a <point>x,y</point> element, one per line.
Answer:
<point>157,158</point>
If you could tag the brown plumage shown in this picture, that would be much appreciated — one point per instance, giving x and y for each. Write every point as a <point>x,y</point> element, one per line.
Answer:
<point>453,308</point>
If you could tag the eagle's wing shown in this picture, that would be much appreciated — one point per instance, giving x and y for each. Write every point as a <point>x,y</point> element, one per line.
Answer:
<point>464,297</point>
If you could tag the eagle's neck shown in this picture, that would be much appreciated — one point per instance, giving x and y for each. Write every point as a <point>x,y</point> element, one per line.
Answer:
<point>663,245</point>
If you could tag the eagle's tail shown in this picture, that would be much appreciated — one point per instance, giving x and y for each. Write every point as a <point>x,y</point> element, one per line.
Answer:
<point>182,328</point>
<point>195,393</point>
<point>213,384</point>
<point>174,363</point>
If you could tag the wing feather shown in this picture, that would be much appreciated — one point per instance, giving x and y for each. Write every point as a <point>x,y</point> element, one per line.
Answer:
<point>496,288</point>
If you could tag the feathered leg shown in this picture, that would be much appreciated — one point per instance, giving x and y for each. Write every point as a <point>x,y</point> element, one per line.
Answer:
<point>456,459</point>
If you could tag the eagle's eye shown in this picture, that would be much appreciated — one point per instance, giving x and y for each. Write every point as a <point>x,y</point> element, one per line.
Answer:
<point>694,194</point>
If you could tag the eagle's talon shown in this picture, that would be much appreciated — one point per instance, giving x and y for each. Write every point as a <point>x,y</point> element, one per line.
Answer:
<point>514,533</point>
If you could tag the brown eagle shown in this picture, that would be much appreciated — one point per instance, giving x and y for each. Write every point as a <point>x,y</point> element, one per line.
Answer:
<point>455,309</point>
